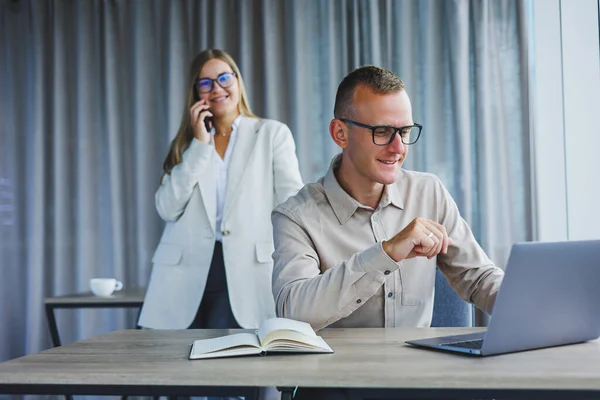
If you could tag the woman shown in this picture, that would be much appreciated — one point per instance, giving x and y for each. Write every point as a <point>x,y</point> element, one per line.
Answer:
<point>224,173</point>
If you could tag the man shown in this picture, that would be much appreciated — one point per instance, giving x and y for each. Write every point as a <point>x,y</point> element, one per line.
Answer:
<point>359,248</point>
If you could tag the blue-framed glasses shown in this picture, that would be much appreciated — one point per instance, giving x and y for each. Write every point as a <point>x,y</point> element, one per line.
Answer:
<point>384,135</point>
<point>205,85</point>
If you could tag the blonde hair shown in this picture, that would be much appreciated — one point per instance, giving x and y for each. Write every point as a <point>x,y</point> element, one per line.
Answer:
<point>185,134</point>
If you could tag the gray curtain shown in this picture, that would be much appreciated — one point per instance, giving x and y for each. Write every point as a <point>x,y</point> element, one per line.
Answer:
<point>91,94</point>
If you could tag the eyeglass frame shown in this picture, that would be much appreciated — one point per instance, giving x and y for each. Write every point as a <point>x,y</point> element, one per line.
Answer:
<point>392,137</point>
<point>212,81</point>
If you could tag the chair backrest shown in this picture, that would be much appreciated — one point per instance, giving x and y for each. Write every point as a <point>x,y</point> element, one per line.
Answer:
<point>448,308</point>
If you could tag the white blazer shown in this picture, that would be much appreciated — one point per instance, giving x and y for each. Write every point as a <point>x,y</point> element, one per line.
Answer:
<point>263,172</point>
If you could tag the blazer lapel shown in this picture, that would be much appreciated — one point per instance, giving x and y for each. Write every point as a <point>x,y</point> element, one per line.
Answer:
<point>208,189</point>
<point>244,146</point>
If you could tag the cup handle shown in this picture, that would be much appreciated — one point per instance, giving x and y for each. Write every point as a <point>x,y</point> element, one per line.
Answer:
<point>118,285</point>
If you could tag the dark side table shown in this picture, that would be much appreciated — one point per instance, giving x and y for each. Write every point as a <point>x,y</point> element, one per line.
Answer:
<point>126,298</point>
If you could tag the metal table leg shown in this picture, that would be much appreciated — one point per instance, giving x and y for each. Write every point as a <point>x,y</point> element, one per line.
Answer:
<point>52,325</point>
<point>287,393</point>
<point>54,333</point>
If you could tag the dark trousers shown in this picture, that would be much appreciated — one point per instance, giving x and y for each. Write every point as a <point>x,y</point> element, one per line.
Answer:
<point>215,309</point>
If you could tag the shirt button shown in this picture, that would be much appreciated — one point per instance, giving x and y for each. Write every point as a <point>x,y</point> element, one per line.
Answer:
<point>390,294</point>
<point>358,301</point>
<point>374,218</point>
<point>387,272</point>
<point>225,233</point>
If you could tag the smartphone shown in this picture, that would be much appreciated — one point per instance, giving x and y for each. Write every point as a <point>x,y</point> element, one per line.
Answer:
<point>208,123</point>
<point>207,120</point>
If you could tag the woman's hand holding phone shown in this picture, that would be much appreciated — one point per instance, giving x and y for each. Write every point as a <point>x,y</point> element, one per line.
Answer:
<point>200,119</point>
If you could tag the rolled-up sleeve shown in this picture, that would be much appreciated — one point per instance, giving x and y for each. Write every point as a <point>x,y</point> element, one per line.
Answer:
<point>303,292</point>
<point>466,266</point>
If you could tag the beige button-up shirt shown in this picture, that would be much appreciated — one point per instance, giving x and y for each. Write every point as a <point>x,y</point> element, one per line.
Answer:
<point>330,269</point>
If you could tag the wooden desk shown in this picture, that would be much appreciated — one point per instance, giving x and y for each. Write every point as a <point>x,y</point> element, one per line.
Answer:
<point>126,298</point>
<point>154,362</point>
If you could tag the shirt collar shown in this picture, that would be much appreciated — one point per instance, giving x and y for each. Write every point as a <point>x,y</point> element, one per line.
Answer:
<point>234,125</point>
<point>392,195</point>
<point>343,204</point>
<point>236,122</point>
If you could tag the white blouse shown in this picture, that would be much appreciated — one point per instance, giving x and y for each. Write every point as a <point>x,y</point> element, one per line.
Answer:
<point>222,165</point>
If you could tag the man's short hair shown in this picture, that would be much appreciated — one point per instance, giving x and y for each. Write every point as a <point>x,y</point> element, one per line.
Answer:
<point>380,80</point>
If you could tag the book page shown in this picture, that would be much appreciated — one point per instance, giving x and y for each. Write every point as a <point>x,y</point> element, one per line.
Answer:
<point>276,324</point>
<point>291,341</point>
<point>282,334</point>
<point>226,346</point>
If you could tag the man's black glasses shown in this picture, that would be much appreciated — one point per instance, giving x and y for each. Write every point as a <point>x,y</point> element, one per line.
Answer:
<point>384,135</point>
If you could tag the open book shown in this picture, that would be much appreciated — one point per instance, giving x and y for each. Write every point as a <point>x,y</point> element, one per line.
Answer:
<point>276,335</point>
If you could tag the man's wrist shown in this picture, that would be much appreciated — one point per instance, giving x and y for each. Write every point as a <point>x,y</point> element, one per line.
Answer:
<point>387,248</point>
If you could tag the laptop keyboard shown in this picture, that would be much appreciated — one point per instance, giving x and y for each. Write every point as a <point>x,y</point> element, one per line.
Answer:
<point>468,344</point>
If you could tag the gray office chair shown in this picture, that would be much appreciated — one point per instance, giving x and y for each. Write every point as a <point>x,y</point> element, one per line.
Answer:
<point>448,308</point>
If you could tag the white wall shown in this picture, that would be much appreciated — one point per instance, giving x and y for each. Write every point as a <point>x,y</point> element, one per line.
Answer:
<point>566,118</point>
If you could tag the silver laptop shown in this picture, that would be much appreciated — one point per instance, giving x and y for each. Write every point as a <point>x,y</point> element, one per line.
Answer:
<point>549,297</point>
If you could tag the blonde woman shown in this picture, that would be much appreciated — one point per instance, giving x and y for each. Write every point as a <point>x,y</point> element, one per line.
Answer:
<point>225,171</point>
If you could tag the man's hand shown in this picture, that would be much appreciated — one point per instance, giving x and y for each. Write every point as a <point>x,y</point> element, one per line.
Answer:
<point>421,238</point>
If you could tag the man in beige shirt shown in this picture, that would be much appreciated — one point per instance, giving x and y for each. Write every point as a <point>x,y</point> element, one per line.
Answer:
<point>359,248</point>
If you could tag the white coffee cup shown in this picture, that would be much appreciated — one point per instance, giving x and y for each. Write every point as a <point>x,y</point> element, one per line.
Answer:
<point>104,287</point>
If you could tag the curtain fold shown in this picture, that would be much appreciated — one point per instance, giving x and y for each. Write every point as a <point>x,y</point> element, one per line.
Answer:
<point>91,93</point>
